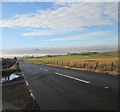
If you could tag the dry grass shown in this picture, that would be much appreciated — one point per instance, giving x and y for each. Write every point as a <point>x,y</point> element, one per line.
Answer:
<point>10,70</point>
<point>106,62</point>
<point>109,66</point>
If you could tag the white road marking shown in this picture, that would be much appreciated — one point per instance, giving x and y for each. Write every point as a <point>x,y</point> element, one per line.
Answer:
<point>84,81</point>
<point>32,95</point>
<point>30,90</point>
<point>22,70</point>
<point>43,69</point>
<point>26,83</point>
<point>20,67</point>
<point>23,74</point>
<point>106,87</point>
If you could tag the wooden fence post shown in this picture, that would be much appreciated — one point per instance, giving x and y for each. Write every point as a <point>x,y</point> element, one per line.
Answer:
<point>74,64</point>
<point>68,63</point>
<point>112,67</point>
<point>96,65</point>
<point>84,65</point>
<point>62,63</point>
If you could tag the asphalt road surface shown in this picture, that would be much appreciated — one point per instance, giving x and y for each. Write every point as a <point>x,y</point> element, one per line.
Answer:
<point>56,88</point>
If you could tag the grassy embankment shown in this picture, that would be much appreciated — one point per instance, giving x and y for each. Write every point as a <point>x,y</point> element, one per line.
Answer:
<point>105,62</point>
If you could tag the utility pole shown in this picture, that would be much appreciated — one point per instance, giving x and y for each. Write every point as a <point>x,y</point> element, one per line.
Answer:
<point>37,55</point>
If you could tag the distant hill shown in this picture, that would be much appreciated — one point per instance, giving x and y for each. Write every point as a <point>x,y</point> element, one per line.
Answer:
<point>78,56</point>
<point>99,54</point>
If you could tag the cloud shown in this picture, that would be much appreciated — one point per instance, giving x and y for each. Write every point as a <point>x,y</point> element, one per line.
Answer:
<point>87,36</point>
<point>39,33</point>
<point>60,1</point>
<point>70,17</point>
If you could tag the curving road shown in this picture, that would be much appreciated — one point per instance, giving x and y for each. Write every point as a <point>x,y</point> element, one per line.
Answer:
<point>56,88</point>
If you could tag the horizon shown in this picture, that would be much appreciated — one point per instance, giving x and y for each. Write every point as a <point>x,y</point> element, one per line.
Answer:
<point>58,27</point>
<point>37,55</point>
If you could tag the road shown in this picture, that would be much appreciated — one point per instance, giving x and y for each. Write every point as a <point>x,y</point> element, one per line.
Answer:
<point>56,88</point>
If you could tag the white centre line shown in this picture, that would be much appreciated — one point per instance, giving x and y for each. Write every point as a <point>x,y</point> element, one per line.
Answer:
<point>84,81</point>
<point>43,69</point>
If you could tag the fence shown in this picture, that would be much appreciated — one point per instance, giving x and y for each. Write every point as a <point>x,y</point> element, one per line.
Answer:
<point>110,66</point>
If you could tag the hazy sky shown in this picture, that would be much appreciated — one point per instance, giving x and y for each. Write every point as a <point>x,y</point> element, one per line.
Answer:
<point>75,26</point>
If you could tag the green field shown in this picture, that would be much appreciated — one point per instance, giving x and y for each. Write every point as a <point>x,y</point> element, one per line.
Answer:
<point>76,56</point>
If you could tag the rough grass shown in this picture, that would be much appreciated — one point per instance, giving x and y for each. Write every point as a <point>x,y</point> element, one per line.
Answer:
<point>78,56</point>
<point>6,72</point>
<point>104,62</point>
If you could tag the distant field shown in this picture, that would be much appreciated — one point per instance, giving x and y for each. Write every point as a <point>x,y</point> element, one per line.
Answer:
<point>78,56</point>
<point>104,62</point>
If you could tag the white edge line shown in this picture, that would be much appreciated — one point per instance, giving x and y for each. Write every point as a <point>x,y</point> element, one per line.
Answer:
<point>106,87</point>
<point>26,83</point>
<point>20,67</point>
<point>72,78</point>
<point>30,90</point>
<point>23,73</point>
<point>32,95</point>
<point>22,70</point>
<point>44,69</point>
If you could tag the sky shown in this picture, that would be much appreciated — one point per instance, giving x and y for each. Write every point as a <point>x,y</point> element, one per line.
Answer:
<point>58,27</point>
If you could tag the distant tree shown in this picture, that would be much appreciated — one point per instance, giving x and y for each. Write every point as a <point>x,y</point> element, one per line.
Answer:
<point>49,56</point>
<point>68,53</point>
<point>15,58</point>
<point>32,56</point>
